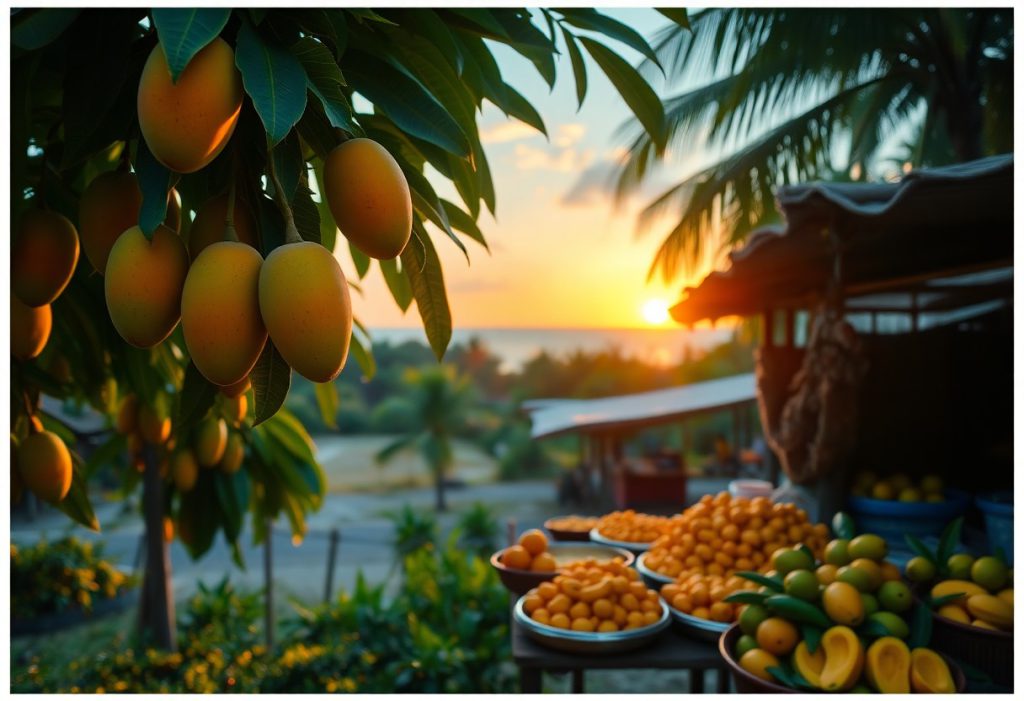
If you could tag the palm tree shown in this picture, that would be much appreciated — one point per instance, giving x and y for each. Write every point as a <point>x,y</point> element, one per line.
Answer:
<point>798,94</point>
<point>439,401</point>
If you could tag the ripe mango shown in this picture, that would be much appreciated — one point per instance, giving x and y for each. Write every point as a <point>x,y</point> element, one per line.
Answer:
<point>208,226</point>
<point>143,285</point>
<point>844,659</point>
<point>211,440</point>
<point>30,329</point>
<point>43,256</point>
<point>887,666</point>
<point>305,304</point>
<point>954,612</point>
<point>45,465</point>
<point>236,409</point>
<point>234,454</point>
<point>991,609</point>
<point>127,415</point>
<point>154,428</point>
<point>237,389</point>
<point>185,472</point>
<point>220,312</point>
<point>188,122</point>
<point>809,665</point>
<point>957,586</point>
<point>843,604</point>
<point>369,197</point>
<point>929,673</point>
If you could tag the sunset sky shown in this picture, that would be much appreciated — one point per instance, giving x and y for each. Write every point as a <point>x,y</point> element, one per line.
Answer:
<point>556,260</point>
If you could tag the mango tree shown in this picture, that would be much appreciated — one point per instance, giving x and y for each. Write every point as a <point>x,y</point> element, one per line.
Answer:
<point>204,160</point>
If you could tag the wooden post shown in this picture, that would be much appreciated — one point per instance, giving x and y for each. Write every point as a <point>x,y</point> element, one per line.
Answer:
<point>332,552</point>
<point>510,531</point>
<point>156,611</point>
<point>268,584</point>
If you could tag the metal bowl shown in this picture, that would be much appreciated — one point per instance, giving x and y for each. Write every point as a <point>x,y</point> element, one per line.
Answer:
<point>637,548</point>
<point>698,628</point>
<point>564,534</point>
<point>653,580</point>
<point>591,643</point>
<point>521,581</point>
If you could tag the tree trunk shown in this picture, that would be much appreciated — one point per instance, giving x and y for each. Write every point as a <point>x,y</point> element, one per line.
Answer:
<point>440,503</point>
<point>156,614</point>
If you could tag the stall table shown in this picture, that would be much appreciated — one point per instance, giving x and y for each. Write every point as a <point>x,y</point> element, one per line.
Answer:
<point>671,650</point>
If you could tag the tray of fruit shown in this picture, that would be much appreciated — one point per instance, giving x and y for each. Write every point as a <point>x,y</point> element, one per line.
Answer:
<point>847,622</point>
<point>651,578</point>
<point>570,527</point>
<point>697,603</point>
<point>593,608</point>
<point>629,530</point>
<point>534,560</point>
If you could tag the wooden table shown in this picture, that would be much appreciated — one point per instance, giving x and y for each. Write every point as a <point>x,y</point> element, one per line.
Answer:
<point>670,650</point>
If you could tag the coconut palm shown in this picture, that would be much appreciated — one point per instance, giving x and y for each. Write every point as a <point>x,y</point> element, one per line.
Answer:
<point>439,402</point>
<point>793,94</point>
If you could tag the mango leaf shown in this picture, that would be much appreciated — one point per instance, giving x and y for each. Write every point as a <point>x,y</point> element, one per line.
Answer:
<point>307,216</point>
<point>843,525</point>
<point>289,165</point>
<point>274,79</point>
<point>519,107</point>
<point>398,283</point>
<point>921,549</point>
<point>198,509</point>
<point>920,626</point>
<point>872,629</point>
<point>783,676</point>
<point>233,496</point>
<point>640,97</point>
<point>36,28</point>
<point>812,636</point>
<point>406,101</point>
<point>271,379</point>
<point>325,80</point>
<point>592,20</point>
<point>427,24</point>
<point>289,433</point>
<point>76,503</point>
<point>155,181</point>
<point>316,129</point>
<point>328,229</point>
<point>363,356</point>
<point>327,400</point>
<point>107,454</point>
<point>746,597</point>
<point>579,68</point>
<point>461,221</point>
<point>365,15</point>
<point>950,539</point>
<point>423,268</point>
<point>773,584</point>
<point>184,32</point>
<point>676,14</point>
<point>360,260</point>
<point>940,601</point>
<point>195,399</point>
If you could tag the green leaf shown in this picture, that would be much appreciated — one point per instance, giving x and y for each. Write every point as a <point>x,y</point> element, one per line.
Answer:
<point>773,584</point>
<point>195,399</point>
<point>107,454</point>
<point>360,260</point>
<point>921,549</point>
<point>307,216</point>
<point>328,229</point>
<point>316,130</point>
<point>640,97</point>
<point>812,636</point>
<point>519,107</point>
<point>325,81</point>
<point>184,32</point>
<point>461,221</point>
<point>782,676</point>
<point>676,14</point>
<point>289,165</point>
<point>233,497</point>
<point>940,601</point>
<point>423,268</point>
<point>592,20</point>
<point>397,282</point>
<point>579,68</point>
<point>920,626</point>
<point>406,101</point>
<point>271,379</point>
<point>363,356</point>
<point>746,597</point>
<point>34,29</point>
<point>872,629</point>
<point>327,400</point>
<point>155,181</point>
<point>368,16</point>
<point>843,525</point>
<point>274,79</point>
<point>950,539</point>
<point>76,502</point>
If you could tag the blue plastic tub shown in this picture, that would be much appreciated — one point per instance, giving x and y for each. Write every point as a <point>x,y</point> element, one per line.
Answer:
<point>892,519</point>
<point>998,511</point>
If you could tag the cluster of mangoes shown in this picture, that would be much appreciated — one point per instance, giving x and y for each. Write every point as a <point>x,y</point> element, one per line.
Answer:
<point>977,592</point>
<point>721,534</point>
<point>899,487</point>
<point>594,597</point>
<point>840,623</point>
<point>630,526</point>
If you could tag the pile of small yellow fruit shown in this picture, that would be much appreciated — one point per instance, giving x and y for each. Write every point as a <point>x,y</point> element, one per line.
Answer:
<point>898,487</point>
<point>702,595</point>
<point>631,527</point>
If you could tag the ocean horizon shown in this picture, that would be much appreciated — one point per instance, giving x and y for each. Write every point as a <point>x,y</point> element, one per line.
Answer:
<point>517,345</point>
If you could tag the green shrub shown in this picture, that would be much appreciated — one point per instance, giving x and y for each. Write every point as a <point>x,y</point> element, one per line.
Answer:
<point>67,574</point>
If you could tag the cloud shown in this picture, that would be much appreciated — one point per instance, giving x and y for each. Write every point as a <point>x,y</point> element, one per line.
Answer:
<point>566,160</point>
<point>509,130</point>
<point>569,134</point>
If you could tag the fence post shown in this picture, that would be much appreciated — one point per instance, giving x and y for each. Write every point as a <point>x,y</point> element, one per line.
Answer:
<point>510,531</point>
<point>332,551</point>
<point>268,583</point>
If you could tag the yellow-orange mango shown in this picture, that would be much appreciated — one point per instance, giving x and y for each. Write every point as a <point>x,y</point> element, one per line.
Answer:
<point>45,465</point>
<point>208,226</point>
<point>234,453</point>
<point>306,307</point>
<point>184,471</point>
<point>369,197</point>
<point>211,440</point>
<point>236,408</point>
<point>127,415</point>
<point>43,256</point>
<point>237,389</point>
<point>153,425</point>
<point>220,312</point>
<point>30,329</point>
<point>188,122</point>
<point>143,285</point>
<point>110,206</point>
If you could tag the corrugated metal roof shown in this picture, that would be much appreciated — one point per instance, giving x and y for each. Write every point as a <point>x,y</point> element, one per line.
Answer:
<point>556,416</point>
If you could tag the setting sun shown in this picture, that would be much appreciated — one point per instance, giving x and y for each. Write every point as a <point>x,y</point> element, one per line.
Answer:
<point>655,311</point>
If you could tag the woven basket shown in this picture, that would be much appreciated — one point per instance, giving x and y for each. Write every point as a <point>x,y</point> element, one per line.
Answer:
<point>991,651</point>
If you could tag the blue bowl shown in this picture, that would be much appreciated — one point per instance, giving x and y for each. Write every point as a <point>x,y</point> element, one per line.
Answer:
<point>892,519</point>
<point>998,511</point>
